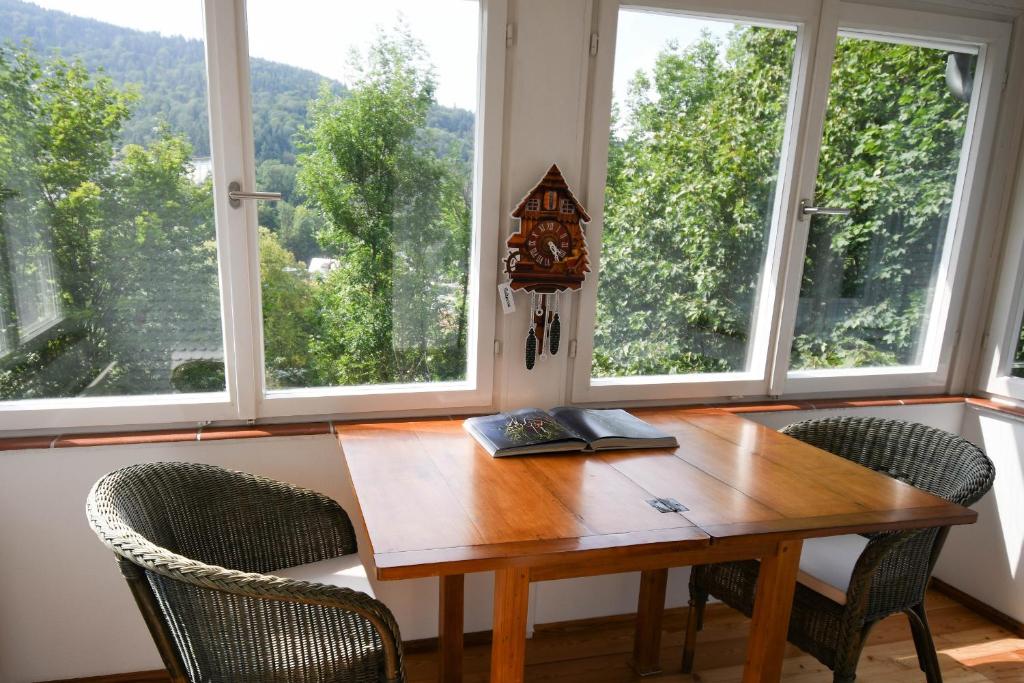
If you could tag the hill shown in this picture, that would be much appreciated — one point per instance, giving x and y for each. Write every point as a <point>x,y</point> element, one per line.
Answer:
<point>170,75</point>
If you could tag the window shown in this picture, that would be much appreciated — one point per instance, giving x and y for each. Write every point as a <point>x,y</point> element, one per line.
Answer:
<point>1002,373</point>
<point>132,291</point>
<point>724,270</point>
<point>566,206</point>
<point>115,250</point>
<point>890,153</point>
<point>365,262</point>
<point>108,262</point>
<point>690,198</point>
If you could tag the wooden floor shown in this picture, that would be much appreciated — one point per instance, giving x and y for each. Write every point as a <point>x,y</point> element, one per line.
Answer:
<point>971,649</point>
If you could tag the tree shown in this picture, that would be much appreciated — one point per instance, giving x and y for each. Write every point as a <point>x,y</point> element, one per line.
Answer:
<point>690,175</point>
<point>385,197</point>
<point>127,235</point>
<point>289,323</point>
<point>688,206</point>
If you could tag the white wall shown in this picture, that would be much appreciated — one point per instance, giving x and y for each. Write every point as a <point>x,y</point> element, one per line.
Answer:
<point>986,560</point>
<point>65,612</point>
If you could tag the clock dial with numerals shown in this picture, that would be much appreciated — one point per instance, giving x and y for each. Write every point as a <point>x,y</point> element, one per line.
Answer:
<point>548,243</point>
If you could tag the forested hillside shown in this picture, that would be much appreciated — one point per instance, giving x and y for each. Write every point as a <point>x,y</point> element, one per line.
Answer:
<point>170,74</point>
<point>108,259</point>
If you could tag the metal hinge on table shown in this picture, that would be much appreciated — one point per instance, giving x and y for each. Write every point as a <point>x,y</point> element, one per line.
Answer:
<point>667,505</point>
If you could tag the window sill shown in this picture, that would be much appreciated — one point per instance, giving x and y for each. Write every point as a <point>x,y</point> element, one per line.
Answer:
<point>322,427</point>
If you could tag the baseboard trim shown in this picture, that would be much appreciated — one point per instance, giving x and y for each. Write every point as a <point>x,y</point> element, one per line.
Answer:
<point>975,605</point>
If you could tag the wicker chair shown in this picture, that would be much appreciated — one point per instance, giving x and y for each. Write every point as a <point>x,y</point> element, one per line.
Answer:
<point>197,544</point>
<point>893,570</point>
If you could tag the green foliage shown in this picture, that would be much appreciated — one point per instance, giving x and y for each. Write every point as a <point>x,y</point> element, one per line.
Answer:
<point>198,375</point>
<point>891,150</point>
<point>289,322</point>
<point>396,216</point>
<point>688,207</point>
<point>690,195</point>
<point>128,234</point>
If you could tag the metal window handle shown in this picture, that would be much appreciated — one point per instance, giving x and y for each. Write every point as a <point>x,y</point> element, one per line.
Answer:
<point>807,210</point>
<point>235,195</point>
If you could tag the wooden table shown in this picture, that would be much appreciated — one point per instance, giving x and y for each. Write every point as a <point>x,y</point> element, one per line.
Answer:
<point>436,504</point>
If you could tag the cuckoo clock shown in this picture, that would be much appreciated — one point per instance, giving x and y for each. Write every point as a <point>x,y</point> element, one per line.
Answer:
<point>547,255</point>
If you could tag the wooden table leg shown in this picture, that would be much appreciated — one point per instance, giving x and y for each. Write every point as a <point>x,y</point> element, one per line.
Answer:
<point>450,628</point>
<point>511,602</point>
<point>773,603</point>
<point>649,611</point>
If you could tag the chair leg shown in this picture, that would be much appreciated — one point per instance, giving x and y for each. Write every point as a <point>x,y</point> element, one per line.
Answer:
<point>847,658</point>
<point>694,623</point>
<point>926,655</point>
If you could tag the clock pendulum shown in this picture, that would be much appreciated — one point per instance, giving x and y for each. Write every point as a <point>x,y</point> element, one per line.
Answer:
<point>555,325</point>
<point>531,349</point>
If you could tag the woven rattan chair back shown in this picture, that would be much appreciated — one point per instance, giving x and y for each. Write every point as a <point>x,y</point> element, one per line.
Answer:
<point>196,543</point>
<point>892,572</point>
<point>922,456</point>
<point>221,517</point>
<point>928,458</point>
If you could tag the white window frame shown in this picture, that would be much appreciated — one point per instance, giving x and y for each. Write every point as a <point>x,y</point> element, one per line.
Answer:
<point>232,151</point>
<point>801,14</point>
<point>1008,308</point>
<point>476,390</point>
<point>991,40</point>
<point>769,374</point>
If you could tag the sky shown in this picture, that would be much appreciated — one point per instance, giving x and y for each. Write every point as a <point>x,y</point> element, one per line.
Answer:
<point>318,35</point>
<point>642,35</point>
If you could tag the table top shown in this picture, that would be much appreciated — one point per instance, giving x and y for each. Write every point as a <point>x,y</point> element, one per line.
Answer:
<point>435,502</point>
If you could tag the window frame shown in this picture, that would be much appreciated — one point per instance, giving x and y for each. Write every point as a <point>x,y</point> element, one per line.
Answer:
<point>233,158</point>
<point>801,14</point>
<point>1007,311</point>
<point>774,322</point>
<point>991,39</point>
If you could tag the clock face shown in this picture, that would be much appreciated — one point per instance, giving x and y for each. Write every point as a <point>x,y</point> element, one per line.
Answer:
<point>548,243</point>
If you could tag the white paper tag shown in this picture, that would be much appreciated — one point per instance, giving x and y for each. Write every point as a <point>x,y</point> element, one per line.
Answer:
<point>505,295</point>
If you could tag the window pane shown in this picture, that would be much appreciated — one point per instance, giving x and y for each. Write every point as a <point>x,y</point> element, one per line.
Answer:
<point>698,120</point>
<point>893,133</point>
<point>1017,369</point>
<point>108,261</point>
<point>364,119</point>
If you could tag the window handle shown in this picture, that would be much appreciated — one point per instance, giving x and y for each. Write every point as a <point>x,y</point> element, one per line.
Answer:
<point>807,210</point>
<point>235,195</point>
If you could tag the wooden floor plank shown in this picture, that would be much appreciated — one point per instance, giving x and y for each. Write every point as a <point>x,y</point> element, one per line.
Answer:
<point>971,650</point>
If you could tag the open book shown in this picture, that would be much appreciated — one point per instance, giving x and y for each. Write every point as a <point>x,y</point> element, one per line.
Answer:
<point>564,429</point>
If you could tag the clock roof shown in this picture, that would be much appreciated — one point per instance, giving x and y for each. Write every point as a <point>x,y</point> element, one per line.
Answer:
<point>552,180</point>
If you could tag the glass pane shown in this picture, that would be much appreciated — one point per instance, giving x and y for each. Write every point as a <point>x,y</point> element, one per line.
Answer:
<point>1017,370</point>
<point>364,119</point>
<point>698,118</point>
<point>893,132</point>
<point>108,259</point>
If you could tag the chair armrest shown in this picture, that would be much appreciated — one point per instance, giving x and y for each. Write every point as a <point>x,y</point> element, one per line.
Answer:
<point>882,548</point>
<point>267,587</point>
